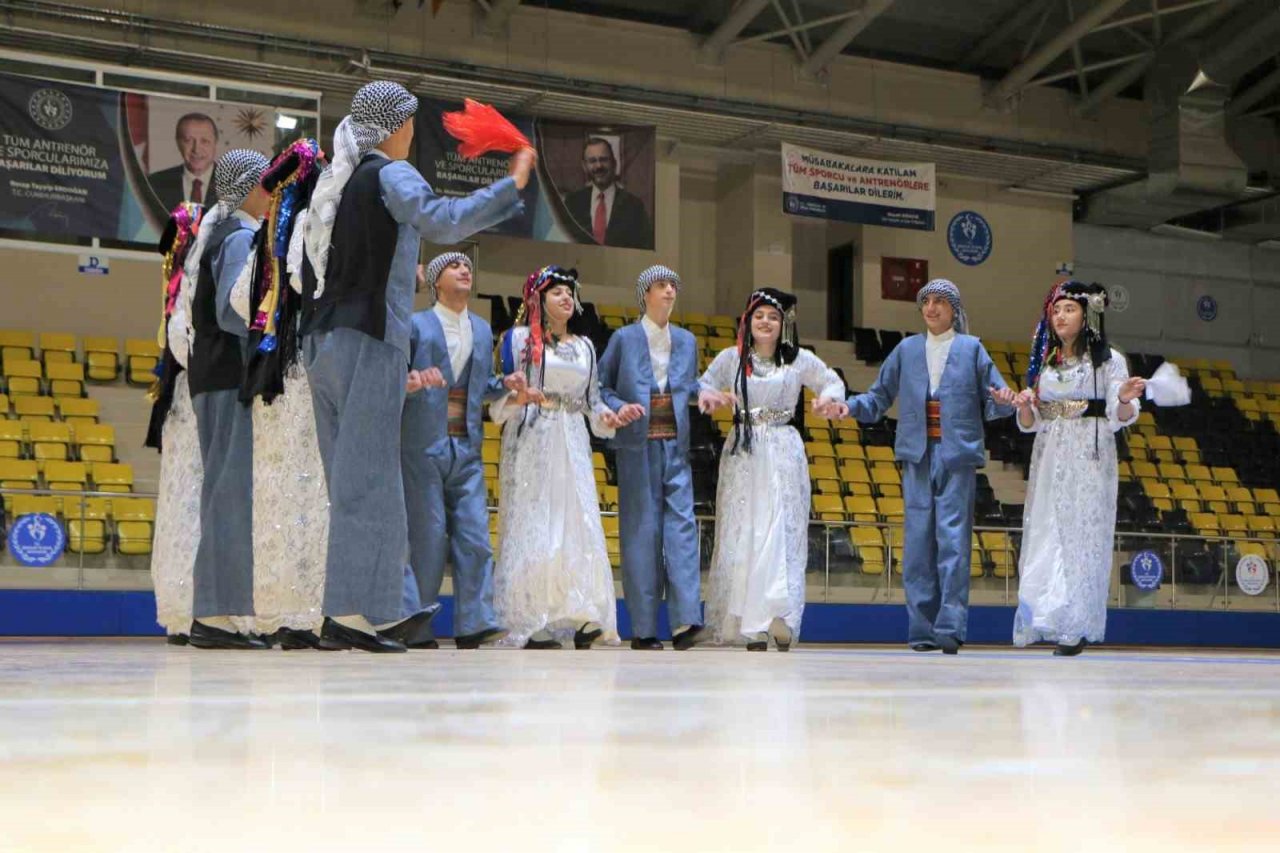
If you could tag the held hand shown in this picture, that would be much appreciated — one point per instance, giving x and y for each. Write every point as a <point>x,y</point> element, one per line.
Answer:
<point>630,413</point>
<point>432,378</point>
<point>1132,388</point>
<point>611,420</point>
<point>1003,396</point>
<point>529,396</point>
<point>1025,400</point>
<point>709,401</point>
<point>422,277</point>
<point>521,166</point>
<point>515,382</point>
<point>414,383</point>
<point>825,407</point>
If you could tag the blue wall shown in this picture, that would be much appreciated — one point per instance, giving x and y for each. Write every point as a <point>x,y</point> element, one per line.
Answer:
<point>63,613</point>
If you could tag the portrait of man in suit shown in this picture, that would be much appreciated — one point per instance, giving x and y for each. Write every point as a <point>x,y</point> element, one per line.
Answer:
<point>610,214</point>
<point>196,135</point>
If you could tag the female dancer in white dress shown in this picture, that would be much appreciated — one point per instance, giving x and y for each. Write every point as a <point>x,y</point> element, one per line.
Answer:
<point>291,505</point>
<point>1082,395</point>
<point>762,502</point>
<point>552,577</point>
<point>173,432</point>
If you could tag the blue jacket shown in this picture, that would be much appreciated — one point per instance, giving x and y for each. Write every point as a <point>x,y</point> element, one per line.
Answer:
<point>626,376</point>
<point>425,422</point>
<point>963,390</point>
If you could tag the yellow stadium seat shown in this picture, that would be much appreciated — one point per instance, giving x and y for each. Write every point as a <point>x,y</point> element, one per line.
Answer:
<point>608,497</point>
<point>824,469</point>
<point>1123,470</point>
<point>1224,475</point>
<point>57,347</point>
<point>65,380</point>
<point>21,342</point>
<point>142,357</point>
<point>13,440</point>
<point>846,451</point>
<point>96,442</point>
<point>66,476</point>
<point>102,358</point>
<point>1199,473</point>
<point>34,408</point>
<point>1160,442</point>
<point>1172,471</point>
<point>1156,489</point>
<point>112,477</point>
<point>1189,505</point>
<point>49,440</point>
<point>491,452</point>
<point>1144,470</point>
<point>1261,524</point>
<point>77,410</point>
<point>1205,522</point>
<point>1233,523</point>
<point>890,508</point>
<point>861,508</point>
<point>1266,496</point>
<point>827,487</point>
<point>23,378</point>
<point>19,473</point>
<point>1183,491</point>
<point>868,544</point>
<point>828,507</point>
<point>819,450</point>
<point>879,453</point>
<point>854,471</point>
<point>4,406</point>
<point>31,504</point>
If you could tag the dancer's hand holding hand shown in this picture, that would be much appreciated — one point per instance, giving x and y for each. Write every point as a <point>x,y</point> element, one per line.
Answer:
<point>413,383</point>
<point>1003,396</point>
<point>630,413</point>
<point>432,378</point>
<point>522,165</point>
<point>1132,388</point>
<point>515,382</point>
<point>709,401</point>
<point>825,407</point>
<point>530,396</point>
<point>1025,400</point>
<point>611,420</point>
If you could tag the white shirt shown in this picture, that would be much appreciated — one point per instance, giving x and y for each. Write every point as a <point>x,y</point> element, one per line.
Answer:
<point>936,348</point>
<point>659,350</point>
<point>608,194</point>
<point>458,337</point>
<point>189,178</point>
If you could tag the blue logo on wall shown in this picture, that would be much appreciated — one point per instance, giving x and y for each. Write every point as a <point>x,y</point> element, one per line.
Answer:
<point>1207,308</point>
<point>969,238</point>
<point>1146,570</point>
<point>36,539</point>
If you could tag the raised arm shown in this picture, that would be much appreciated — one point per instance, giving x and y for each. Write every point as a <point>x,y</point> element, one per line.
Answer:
<point>439,219</point>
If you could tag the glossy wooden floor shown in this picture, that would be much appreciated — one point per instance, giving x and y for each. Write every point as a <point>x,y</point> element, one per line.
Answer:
<point>133,745</point>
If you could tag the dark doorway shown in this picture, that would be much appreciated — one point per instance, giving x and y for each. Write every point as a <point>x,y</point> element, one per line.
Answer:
<point>840,305</point>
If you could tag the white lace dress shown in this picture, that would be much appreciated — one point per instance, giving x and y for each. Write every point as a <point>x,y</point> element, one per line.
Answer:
<point>1069,520</point>
<point>177,530</point>
<point>762,500</point>
<point>552,572</point>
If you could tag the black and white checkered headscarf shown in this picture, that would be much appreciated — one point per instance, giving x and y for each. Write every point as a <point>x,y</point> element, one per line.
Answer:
<point>951,293</point>
<point>441,262</point>
<point>238,171</point>
<point>651,276</point>
<point>378,110</point>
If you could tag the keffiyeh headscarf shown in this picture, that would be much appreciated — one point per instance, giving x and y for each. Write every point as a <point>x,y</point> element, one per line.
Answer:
<point>652,276</point>
<point>237,173</point>
<point>947,290</point>
<point>378,110</point>
<point>442,262</point>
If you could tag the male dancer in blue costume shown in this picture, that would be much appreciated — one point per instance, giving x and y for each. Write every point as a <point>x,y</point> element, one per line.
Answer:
<point>649,375</point>
<point>368,214</point>
<point>450,380</point>
<point>946,385</point>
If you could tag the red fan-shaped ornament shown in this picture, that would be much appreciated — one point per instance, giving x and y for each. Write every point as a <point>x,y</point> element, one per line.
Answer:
<point>479,129</point>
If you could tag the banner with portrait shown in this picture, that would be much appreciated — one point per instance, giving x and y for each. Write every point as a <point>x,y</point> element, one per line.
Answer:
<point>595,182</point>
<point>85,161</point>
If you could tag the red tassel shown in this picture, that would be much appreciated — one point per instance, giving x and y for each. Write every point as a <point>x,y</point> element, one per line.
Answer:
<point>479,129</point>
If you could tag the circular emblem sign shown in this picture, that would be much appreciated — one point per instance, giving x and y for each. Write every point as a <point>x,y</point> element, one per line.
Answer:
<point>1252,575</point>
<point>1207,308</point>
<point>36,539</point>
<point>1146,570</point>
<point>969,238</point>
<point>1119,297</point>
<point>50,109</point>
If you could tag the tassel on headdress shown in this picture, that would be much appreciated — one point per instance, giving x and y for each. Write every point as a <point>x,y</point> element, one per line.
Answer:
<point>532,357</point>
<point>175,244</point>
<point>479,129</point>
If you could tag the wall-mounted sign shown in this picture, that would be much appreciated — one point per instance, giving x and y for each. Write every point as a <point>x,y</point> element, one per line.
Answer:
<point>969,238</point>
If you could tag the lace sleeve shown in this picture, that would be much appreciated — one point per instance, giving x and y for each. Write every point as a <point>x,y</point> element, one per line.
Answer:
<point>596,407</point>
<point>719,374</point>
<point>817,377</point>
<point>1116,371</point>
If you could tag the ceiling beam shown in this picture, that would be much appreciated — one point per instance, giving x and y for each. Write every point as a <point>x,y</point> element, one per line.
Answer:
<point>844,35</point>
<point>801,53</point>
<point>1001,34</point>
<point>735,22</point>
<point>499,13</point>
<point>1255,94</point>
<point>1022,74</point>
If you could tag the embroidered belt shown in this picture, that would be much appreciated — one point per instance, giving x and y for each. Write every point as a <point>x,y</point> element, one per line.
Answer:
<point>662,417</point>
<point>933,418</point>
<point>553,402</point>
<point>1055,409</point>
<point>766,417</point>
<point>457,412</point>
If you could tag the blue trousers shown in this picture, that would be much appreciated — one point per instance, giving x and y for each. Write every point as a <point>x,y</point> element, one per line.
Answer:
<point>936,551</point>
<point>222,581</point>
<point>659,536</point>
<point>445,494</point>
<point>357,390</point>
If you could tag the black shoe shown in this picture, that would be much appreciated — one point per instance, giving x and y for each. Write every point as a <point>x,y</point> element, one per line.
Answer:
<point>293,639</point>
<point>415,630</point>
<point>758,646</point>
<point>1070,651</point>
<point>336,637</point>
<point>583,639</point>
<point>950,645</point>
<point>926,646</point>
<point>542,644</point>
<point>688,638</point>
<point>646,644</point>
<point>204,636</point>
<point>176,639</point>
<point>479,638</point>
<point>782,636</point>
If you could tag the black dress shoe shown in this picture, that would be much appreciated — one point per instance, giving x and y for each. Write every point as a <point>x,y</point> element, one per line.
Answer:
<point>204,636</point>
<point>758,646</point>
<point>336,637</point>
<point>688,638</point>
<point>583,639</point>
<point>416,630</point>
<point>293,639</point>
<point>925,646</point>
<point>1063,651</point>
<point>176,639</point>
<point>479,638</point>
<point>542,644</point>
<point>646,644</point>
<point>949,645</point>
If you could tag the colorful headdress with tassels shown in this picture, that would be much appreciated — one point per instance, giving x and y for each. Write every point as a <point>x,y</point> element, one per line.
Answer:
<point>274,306</point>
<point>788,346</point>
<point>530,314</point>
<point>175,244</point>
<point>1046,347</point>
